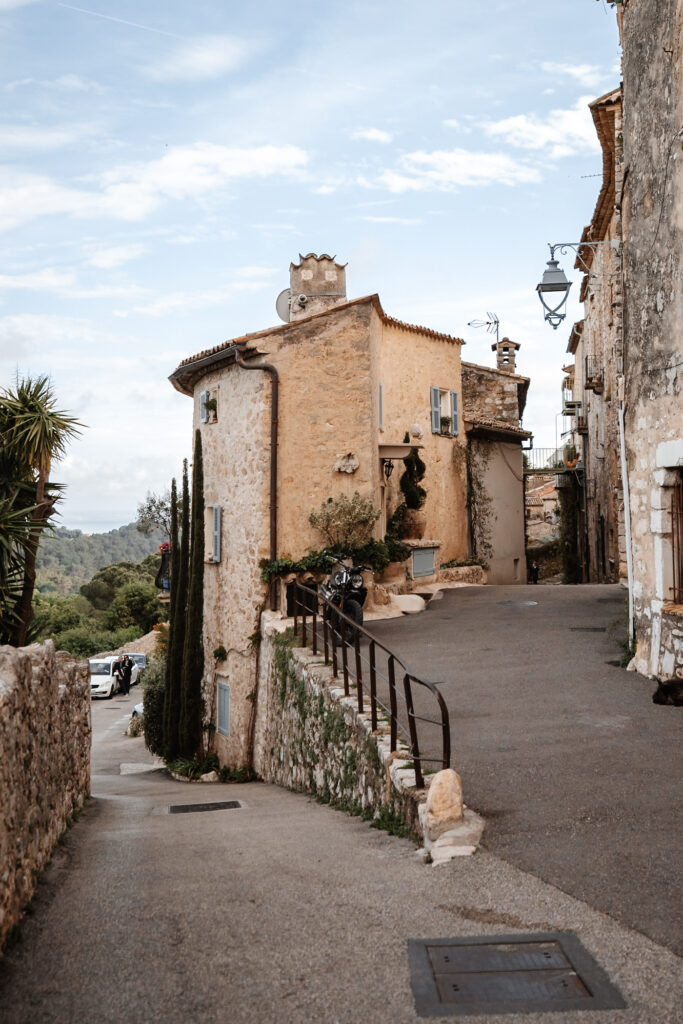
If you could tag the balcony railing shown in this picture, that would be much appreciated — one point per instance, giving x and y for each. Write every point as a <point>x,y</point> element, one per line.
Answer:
<point>378,676</point>
<point>550,460</point>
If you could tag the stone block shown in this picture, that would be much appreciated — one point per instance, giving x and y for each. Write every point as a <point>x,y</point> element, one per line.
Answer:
<point>410,604</point>
<point>444,807</point>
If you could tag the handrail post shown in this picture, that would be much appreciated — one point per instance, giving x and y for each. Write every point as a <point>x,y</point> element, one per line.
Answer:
<point>296,608</point>
<point>314,627</point>
<point>335,662</point>
<point>373,687</point>
<point>345,658</point>
<point>326,639</point>
<point>415,750</point>
<point>392,704</point>
<point>359,670</point>
<point>304,638</point>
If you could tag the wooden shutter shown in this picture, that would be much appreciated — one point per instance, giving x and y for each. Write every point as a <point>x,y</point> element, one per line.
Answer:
<point>455,422</point>
<point>203,411</point>
<point>436,410</point>
<point>216,533</point>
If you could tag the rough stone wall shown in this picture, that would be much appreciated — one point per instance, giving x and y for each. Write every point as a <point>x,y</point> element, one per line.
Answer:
<point>45,735</point>
<point>236,455</point>
<point>652,37</point>
<point>407,365</point>
<point>311,738</point>
<point>490,394</point>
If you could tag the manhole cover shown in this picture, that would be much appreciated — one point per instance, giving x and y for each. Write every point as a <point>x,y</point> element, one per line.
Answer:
<point>588,629</point>
<point>520,604</point>
<point>507,974</point>
<point>225,805</point>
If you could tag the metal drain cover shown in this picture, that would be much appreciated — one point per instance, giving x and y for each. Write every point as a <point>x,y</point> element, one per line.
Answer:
<point>520,604</point>
<point>507,974</point>
<point>225,805</point>
<point>588,629</point>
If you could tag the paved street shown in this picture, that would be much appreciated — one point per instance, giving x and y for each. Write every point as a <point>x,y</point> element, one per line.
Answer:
<point>286,911</point>
<point>576,771</point>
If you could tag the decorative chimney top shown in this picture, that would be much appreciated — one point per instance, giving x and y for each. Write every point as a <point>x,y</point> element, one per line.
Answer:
<point>317,283</point>
<point>505,354</point>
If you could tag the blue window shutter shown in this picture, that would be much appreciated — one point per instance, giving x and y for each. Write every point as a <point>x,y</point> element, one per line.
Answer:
<point>203,411</point>
<point>455,423</point>
<point>223,723</point>
<point>436,411</point>
<point>216,533</point>
<point>381,409</point>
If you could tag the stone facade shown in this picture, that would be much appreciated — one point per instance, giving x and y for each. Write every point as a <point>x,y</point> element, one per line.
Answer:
<point>652,37</point>
<point>45,735</point>
<point>351,382</point>
<point>594,383</point>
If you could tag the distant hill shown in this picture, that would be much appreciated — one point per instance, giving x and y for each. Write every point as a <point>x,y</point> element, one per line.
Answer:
<point>69,558</point>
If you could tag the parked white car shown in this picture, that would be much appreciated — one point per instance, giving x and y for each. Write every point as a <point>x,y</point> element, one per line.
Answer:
<point>103,682</point>
<point>140,660</point>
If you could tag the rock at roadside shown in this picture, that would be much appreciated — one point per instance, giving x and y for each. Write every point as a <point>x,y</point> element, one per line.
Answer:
<point>209,777</point>
<point>444,807</point>
<point>410,603</point>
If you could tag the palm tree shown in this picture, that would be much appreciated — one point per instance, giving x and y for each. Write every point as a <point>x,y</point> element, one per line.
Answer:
<point>33,433</point>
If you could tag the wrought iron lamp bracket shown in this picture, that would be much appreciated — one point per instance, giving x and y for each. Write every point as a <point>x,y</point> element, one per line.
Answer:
<point>576,247</point>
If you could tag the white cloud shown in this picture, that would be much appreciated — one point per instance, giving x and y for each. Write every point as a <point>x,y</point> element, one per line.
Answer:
<point>373,135</point>
<point>392,220</point>
<point>210,56</point>
<point>447,169</point>
<point>562,133</point>
<point>589,76</point>
<point>33,137</point>
<point>65,83</point>
<point>115,256</point>
<point>66,284</point>
<point>133,191</point>
<point>11,5</point>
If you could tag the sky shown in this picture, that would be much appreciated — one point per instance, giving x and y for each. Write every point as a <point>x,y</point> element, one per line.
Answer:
<point>162,165</point>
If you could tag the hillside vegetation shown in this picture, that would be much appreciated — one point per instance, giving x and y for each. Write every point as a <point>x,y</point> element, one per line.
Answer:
<point>69,558</point>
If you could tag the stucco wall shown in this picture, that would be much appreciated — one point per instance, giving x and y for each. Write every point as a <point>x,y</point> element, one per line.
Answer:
<point>652,222</point>
<point>45,735</point>
<point>407,366</point>
<point>236,455</point>
<point>502,480</point>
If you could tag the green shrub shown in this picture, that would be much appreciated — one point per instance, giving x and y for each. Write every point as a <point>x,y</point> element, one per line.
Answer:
<point>135,604</point>
<point>346,522</point>
<point>153,706</point>
<point>84,641</point>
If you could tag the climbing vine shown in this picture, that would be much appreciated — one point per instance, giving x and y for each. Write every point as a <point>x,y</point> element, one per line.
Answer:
<point>480,503</point>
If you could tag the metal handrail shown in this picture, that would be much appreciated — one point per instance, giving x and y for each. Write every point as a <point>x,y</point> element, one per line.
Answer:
<point>335,644</point>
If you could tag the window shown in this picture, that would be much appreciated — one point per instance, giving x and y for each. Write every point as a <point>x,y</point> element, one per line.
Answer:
<point>212,532</point>
<point>445,410</point>
<point>677,538</point>
<point>208,406</point>
<point>223,724</point>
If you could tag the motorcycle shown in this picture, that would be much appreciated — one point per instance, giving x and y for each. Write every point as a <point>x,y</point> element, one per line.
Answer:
<point>346,591</point>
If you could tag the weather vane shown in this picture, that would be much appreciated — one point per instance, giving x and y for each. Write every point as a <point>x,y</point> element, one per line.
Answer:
<point>491,325</point>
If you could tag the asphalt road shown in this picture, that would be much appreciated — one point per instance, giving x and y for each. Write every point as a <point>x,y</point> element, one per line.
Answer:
<point>283,911</point>
<point>575,770</point>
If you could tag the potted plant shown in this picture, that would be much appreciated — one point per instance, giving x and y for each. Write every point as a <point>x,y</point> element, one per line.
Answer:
<point>445,424</point>
<point>211,406</point>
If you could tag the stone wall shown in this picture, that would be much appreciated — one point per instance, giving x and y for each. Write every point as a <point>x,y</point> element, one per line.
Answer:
<point>652,220</point>
<point>491,394</point>
<point>45,735</point>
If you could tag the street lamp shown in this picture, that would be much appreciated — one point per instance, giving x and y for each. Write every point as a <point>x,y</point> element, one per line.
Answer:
<point>554,278</point>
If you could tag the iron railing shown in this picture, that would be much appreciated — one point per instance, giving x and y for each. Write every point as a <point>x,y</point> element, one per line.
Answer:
<point>362,668</point>
<point>551,460</point>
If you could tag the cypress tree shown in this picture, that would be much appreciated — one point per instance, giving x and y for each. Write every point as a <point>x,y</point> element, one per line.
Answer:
<point>190,726</point>
<point>172,631</point>
<point>177,624</point>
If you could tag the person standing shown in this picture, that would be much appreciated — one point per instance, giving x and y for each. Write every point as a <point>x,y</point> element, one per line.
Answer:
<point>126,672</point>
<point>534,572</point>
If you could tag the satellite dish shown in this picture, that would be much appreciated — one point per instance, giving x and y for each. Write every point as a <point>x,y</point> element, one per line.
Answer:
<point>282,305</point>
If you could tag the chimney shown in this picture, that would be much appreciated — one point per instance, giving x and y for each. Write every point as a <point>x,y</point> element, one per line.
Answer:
<point>505,354</point>
<point>317,283</point>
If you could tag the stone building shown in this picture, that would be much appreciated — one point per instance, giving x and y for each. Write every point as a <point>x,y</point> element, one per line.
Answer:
<point>625,385</point>
<point>318,407</point>
<point>592,384</point>
<point>652,224</point>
